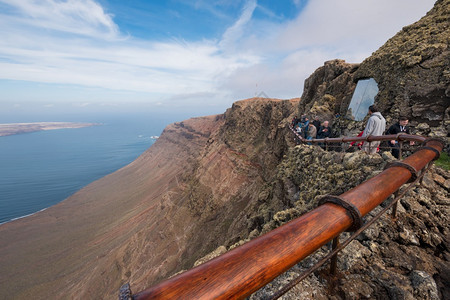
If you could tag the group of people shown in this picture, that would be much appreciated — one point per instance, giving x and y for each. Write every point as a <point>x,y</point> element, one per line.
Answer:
<point>311,130</point>
<point>376,126</point>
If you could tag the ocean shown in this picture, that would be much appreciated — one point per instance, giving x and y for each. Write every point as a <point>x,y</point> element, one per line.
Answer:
<point>40,169</point>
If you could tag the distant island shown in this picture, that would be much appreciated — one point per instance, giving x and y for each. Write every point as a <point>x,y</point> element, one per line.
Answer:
<point>17,128</point>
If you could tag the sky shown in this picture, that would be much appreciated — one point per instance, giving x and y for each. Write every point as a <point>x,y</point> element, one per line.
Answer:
<point>195,56</point>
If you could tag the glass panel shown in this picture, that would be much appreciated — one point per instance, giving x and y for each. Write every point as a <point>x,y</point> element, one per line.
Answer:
<point>363,97</point>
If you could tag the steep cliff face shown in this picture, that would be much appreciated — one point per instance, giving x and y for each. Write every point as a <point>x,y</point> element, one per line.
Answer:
<point>236,163</point>
<point>190,192</point>
<point>131,225</point>
<point>412,72</point>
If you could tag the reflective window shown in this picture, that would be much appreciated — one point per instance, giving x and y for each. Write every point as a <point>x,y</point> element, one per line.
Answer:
<point>363,97</point>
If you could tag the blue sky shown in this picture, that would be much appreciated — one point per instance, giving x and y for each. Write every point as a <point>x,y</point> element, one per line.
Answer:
<point>180,55</point>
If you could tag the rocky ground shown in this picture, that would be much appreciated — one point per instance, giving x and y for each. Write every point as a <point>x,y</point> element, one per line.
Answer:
<point>406,258</point>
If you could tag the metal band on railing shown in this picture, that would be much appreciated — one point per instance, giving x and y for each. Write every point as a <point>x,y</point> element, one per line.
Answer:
<point>350,208</point>
<point>437,153</point>
<point>398,136</point>
<point>403,165</point>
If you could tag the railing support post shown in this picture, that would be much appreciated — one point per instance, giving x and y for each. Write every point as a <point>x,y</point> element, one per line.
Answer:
<point>394,207</point>
<point>400,150</point>
<point>400,157</point>
<point>333,263</point>
<point>421,179</point>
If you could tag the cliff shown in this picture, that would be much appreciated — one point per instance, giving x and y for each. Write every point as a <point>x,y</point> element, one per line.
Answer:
<point>193,190</point>
<point>87,245</point>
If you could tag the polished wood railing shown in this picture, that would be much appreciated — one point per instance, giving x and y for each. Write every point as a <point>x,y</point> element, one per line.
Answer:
<point>243,270</point>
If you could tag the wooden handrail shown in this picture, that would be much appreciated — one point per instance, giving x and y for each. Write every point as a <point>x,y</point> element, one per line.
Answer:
<point>243,270</point>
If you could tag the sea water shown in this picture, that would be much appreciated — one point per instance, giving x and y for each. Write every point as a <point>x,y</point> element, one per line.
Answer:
<point>40,169</point>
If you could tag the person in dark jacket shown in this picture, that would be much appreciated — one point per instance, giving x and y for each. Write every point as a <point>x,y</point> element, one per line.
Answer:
<point>400,126</point>
<point>324,131</point>
<point>316,122</point>
<point>294,121</point>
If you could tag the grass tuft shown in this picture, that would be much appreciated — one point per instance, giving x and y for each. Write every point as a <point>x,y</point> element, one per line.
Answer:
<point>443,161</point>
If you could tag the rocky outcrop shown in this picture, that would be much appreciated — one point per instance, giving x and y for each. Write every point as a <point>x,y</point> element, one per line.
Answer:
<point>411,70</point>
<point>328,90</point>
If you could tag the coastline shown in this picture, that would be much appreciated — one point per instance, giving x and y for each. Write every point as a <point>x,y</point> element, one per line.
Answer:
<point>19,128</point>
<point>24,216</point>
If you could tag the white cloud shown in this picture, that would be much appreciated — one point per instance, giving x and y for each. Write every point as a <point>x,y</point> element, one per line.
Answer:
<point>82,45</point>
<point>350,23</point>
<point>298,2</point>
<point>268,12</point>
<point>235,32</point>
<point>84,17</point>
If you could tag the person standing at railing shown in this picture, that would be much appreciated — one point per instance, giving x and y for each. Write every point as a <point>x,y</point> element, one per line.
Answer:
<point>304,123</point>
<point>311,133</point>
<point>400,126</point>
<point>295,121</point>
<point>316,122</point>
<point>324,130</point>
<point>376,125</point>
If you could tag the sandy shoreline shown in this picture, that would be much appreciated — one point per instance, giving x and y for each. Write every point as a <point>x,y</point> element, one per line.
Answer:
<point>18,128</point>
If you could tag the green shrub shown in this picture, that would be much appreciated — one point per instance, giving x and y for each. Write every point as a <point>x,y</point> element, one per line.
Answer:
<point>443,161</point>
